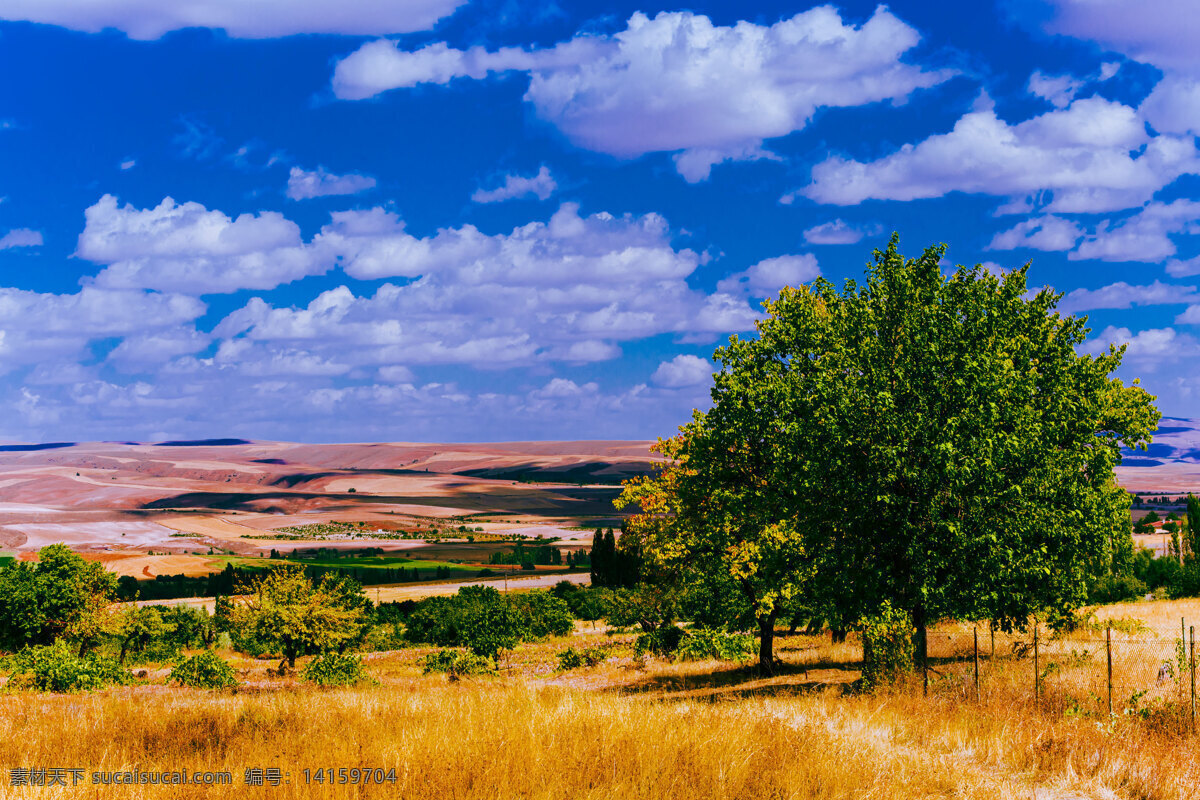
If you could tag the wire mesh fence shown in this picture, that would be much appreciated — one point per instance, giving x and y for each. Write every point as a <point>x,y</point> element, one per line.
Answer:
<point>1088,672</point>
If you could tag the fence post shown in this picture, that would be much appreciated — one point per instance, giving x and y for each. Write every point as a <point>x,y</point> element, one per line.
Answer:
<point>1108,647</point>
<point>977,668</point>
<point>925,667</point>
<point>1192,669</point>
<point>992,628</point>
<point>1037,688</point>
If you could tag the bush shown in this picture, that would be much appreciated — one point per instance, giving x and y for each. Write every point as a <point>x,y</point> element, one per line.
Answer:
<point>206,670</point>
<point>588,657</point>
<point>659,642</point>
<point>334,669</point>
<point>887,647</point>
<point>1114,588</point>
<point>456,663</point>
<point>481,618</point>
<point>586,603</point>
<point>702,643</point>
<point>56,668</point>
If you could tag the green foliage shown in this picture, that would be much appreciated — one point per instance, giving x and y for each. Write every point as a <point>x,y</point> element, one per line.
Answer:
<point>287,611</point>
<point>59,595</point>
<point>572,658</point>
<point>648,605</point>
<point>887,638</point>
<point>706,643</point>
<point>614,562</point>
<point>584,602</point>
<point>58,668</point>
<point>205,670</point>
<point>929,439</point>
<point>540,614</point>
<point>457,663</point>
<point>1129,626</point>
<point>661,642</point>
<point>333,669</point>
<point>482,619</point>
<point>1115,588</point>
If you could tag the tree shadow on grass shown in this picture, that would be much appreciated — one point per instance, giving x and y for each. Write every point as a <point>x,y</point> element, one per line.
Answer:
<point>744,681</point>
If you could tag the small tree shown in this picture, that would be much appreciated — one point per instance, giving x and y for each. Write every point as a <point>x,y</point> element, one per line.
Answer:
<point>887,639</point>
<point>289,611</point>
<point>205,670</point>
<point>136,627</point>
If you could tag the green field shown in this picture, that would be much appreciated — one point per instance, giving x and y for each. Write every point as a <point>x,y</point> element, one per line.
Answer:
<point>361,562</point>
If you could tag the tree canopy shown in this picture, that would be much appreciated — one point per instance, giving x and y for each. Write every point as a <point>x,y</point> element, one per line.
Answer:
<point>933,442</point>
<point>286,609</point>
<point>59,595</point>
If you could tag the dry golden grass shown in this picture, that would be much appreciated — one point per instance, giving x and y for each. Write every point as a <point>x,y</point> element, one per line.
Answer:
<point>623,729</point>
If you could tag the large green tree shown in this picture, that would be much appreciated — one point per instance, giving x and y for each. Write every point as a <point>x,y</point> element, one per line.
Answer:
<point>936,442</point>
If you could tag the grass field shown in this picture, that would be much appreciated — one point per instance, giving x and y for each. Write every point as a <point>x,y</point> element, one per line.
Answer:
<point>457,571</point>
<point>625,729</point>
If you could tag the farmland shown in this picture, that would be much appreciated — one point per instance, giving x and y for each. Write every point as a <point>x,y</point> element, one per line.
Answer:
<point>186,508</point>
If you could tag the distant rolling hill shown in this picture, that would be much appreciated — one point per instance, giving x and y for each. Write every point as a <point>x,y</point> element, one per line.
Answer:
<point>1170,465</point>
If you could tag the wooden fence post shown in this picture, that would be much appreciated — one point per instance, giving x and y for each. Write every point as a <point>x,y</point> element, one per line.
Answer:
<point>1037,687</point>
<point>1192,669</point>
<point>976,629</point>
<point>1108,647</point>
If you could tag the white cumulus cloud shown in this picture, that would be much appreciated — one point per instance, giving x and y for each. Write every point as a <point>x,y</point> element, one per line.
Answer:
<point>1039,233</point>
<point>1058,90</point>
<point>771,274</point>
<point>1146,348</point>
<point>1145,236</point>
<point>21,237</point>
<point>567,289</point>
<point>305,184</point>
<point>184,247</point>
<point>1093,156</point>
<point>683,370</point>
<point>1124,295</point>
<point>838,231</point>
<point>541,186</point>
<point>677,83</point>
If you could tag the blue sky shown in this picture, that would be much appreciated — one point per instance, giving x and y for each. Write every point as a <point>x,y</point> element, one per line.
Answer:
<point>491,220</point>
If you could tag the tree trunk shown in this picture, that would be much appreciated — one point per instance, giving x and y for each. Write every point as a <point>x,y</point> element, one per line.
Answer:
<point>766,644</point>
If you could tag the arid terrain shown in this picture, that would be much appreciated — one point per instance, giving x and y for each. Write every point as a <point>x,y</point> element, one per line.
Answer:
<point>159,509</point>
<point>148,509</point>
<point>1171,465</point>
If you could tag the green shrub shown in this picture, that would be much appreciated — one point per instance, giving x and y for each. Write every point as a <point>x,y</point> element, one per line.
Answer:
<point>659,642</point>
<point>456,663</point>
<point>206,670</point>
<point>1115,588</point>
<point>701,643</point>
<point>588,657</point>
<point>334,669</point>
<point>56,668</point>
<point>481,618</point>
<point>887,647</point>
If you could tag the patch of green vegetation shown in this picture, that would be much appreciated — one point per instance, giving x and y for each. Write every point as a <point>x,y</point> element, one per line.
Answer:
<point>436,570</point>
